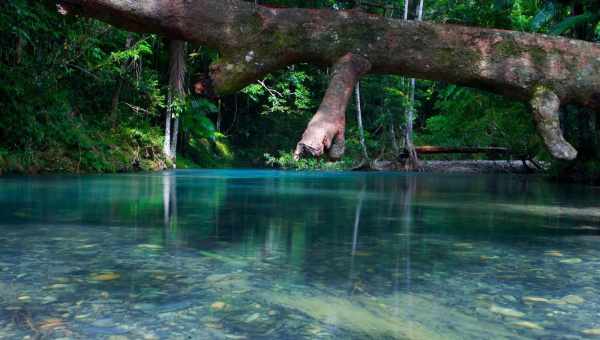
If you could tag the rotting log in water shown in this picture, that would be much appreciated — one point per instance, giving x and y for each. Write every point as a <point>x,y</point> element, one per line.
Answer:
<point>256,40</point>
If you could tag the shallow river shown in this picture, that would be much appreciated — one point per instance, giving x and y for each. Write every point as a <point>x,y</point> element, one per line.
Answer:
<point>266,254</point>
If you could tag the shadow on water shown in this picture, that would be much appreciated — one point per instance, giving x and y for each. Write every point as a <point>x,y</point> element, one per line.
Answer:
<point>297,255</point>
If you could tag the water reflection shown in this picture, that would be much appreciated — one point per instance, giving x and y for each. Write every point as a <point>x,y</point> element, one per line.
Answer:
<point>297,255</point>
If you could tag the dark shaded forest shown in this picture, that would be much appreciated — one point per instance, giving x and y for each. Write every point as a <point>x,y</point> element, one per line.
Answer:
<point>81,96</point>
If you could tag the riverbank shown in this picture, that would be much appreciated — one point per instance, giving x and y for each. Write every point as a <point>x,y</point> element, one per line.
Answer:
<point>462,166</point>
<point>90,150</point>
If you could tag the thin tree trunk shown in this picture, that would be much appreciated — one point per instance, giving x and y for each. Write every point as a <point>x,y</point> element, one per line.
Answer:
<point>19,50</point>
<point>361,129</point>
<point>174,138</point>
<point>413,158</point>
<point>389,13</point>
<point>177,69</point>
<point>220,116</point>
<point>394,137</point>
<point>168,119</point>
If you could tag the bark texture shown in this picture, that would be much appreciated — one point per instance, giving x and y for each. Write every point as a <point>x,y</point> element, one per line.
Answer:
<point>325,131</point>
<point>177,69</point>
<point>255,40</point>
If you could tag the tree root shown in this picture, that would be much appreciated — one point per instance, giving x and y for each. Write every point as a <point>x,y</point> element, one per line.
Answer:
<point>325,131</point>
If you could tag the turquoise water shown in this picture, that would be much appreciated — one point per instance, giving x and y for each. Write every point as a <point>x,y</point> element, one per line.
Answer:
<point>264,254</point>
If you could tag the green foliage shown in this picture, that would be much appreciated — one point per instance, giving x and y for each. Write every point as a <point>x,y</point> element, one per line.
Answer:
<point>286,160</point>
<point>475,118</point>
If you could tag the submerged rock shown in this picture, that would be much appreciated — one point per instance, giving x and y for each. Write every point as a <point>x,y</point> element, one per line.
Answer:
<point>50,324</point>
<point>106,277</point>
<point>528,325</point>
<point>150,246</point>
<point>253,317</point>
<point>464,245</point>
<point>534,299</point>
<point>554,253</point>
<point>592,331</point>
<point>506,311</point>
<point>573,299</point>
<point>219,305</point>
<point>571,261</point>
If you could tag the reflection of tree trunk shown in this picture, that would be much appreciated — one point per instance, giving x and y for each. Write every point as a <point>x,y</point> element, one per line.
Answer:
<point>361,129</point>
<point>117,95</point>
<point>169,200</point>
<point>407,214</point>
<point>357,215</point>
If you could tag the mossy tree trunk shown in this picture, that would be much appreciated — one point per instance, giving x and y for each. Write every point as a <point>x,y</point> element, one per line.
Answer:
<point>256,40</point>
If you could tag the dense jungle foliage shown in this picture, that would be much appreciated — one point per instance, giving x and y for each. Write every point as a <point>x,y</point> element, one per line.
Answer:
<point>80,96</point>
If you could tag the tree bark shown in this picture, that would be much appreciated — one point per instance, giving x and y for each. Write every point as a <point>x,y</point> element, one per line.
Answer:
<point>177,71</point>
<point>429,150</point>
<point>254,41</point>
<point>326,130</point>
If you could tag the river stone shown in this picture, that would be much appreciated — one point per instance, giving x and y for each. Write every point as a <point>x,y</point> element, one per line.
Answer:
<point>506,311</point>
<point>219,305</point>
<point>573,299</point>
<point>535,299</point>
<point>571,261</point>
<point>554,253</point>
<point>253,317</point>
<point>118,337</point>
<point>50,324</point>
<point>217,277</point>
<point>106,277</point>
<point>59,286</point>
<point>528,325</point>
<point>592,331</point>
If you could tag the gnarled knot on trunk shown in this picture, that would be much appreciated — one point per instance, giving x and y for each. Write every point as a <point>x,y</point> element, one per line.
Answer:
<point>326,130</point>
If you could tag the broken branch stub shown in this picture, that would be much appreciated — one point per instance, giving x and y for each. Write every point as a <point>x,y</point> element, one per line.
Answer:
<point>325,131</point>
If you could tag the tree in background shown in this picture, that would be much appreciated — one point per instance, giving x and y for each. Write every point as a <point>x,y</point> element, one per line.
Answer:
<point>176,97</point>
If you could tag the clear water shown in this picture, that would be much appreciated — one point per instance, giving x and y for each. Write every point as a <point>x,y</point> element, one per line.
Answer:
<point>265,254</point>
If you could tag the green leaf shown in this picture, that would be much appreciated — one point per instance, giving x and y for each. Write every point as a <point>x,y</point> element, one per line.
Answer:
<point>572,22</point>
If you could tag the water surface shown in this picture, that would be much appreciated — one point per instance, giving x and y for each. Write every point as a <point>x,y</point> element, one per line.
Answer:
<point>264,254</point>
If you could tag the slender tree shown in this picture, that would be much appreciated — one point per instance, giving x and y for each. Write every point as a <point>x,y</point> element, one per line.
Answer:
<point>361,129</point>
<point>413,158</point>
<point>177,69</point>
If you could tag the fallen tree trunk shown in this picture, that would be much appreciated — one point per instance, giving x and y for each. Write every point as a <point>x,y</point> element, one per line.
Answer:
<point>432,150</point>
<point>255,40</point>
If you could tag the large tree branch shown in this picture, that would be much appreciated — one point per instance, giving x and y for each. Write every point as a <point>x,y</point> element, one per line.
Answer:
<point>256,41</point>
<point>325,131</point>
